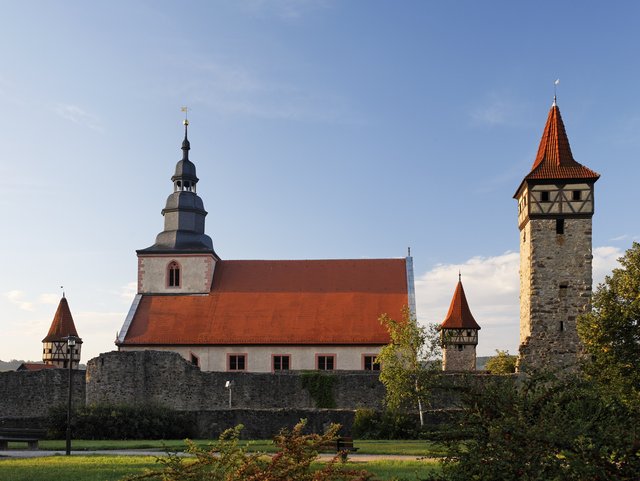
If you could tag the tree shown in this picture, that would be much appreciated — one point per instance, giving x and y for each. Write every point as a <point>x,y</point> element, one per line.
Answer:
<point>409,362</point>
<point>501,363</point>
<point>611,331</point>
<point>542,428</point>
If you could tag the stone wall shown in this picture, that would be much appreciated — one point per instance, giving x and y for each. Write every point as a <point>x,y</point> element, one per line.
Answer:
<point>25,394</point>
<point>165,378</point>
<point>555,288</point>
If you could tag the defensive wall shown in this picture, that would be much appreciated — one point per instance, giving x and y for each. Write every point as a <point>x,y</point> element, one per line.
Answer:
<point>263,402</point>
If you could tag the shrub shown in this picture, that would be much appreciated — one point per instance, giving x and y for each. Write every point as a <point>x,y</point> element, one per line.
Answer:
<point>104,421</point>
<point>372,424</point>
<point>226,460</point>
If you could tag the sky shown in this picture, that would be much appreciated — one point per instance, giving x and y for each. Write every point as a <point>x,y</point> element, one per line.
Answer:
<point>319,129</point>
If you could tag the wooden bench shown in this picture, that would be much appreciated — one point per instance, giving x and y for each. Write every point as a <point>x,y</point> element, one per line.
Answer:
<point>17,435</point>
<point>342,446</point>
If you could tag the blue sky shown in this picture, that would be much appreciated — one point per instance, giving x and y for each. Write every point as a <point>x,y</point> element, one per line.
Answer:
<point>320,129</point>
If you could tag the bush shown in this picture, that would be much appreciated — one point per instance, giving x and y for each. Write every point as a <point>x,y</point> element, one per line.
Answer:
<point>105,421</point>
<point>372,424</point>
<point>226,460</point>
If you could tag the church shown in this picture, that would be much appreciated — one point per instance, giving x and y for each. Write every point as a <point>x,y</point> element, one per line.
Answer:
<point>257,315</point>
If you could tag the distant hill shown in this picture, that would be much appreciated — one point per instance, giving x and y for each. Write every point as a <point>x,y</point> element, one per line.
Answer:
<point>481,361</point>
<point>9,365</point>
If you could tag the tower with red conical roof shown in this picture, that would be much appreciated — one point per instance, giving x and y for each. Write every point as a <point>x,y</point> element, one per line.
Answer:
<point>459,334</point>
<point>555,208</point>
<point>55,349</point>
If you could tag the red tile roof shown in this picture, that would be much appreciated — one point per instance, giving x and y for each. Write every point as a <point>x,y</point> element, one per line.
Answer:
<point>459,315</point>
<point>34,366</point>
<point>62,325</point>
<point>554,159</point>
<point>278,302</point>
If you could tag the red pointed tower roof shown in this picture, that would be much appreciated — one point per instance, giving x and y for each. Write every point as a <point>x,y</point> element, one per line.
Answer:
<point>62,325</point>
<point>459,315</point>
<point>554,159</point>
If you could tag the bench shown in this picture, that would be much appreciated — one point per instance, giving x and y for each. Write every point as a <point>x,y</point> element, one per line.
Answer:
<point>29,436</point>
<point>342,445</point>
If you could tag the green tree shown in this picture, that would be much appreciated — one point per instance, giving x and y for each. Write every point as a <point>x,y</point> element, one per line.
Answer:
<point>409,363</point>
<point>541,428</point>
<point>611,331</point>
<point>501,363</point>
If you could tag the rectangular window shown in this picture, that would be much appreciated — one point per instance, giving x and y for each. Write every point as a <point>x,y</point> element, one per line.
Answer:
<point>559,226</point>
<point>370,363</point>
<point>237,362</point>
<point>281,362</point>
<point>576,195</point>
<point>195,360</point>
<point>326,362</point>
<point>544,196</point>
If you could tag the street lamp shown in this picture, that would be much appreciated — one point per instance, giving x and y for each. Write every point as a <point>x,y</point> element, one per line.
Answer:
<point>229,385</point>
<point>71,342</point>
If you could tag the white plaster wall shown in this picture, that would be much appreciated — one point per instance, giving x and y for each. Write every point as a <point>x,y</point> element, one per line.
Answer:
<point>214,358</point>
<point>196,273</point>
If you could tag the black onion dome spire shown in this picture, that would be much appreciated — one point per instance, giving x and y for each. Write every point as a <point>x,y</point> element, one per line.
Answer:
<point>184,212</point>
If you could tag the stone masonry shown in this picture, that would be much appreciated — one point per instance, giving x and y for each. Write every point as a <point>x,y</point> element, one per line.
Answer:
<point>555,287</point>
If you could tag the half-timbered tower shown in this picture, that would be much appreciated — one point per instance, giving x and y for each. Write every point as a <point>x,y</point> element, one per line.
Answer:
<point>555,207</point>
<point>459,334</point>
<point>55,348</point>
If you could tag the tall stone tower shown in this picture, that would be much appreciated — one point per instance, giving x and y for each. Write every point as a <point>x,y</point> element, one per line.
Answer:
<point>555,207</point>
<point>459,334</point>
<point>55,348</point>
<point>182,260</point>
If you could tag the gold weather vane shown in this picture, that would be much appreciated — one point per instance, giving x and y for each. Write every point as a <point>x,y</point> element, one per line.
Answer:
<point>555,86</point>
<point>62,287</point>
<point>186,111</point>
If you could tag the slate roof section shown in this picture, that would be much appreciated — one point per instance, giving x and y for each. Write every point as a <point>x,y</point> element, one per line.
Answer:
<point>285,302</point>
<point>459,315</point>
<point>62,325</point>
<point>554,159</point>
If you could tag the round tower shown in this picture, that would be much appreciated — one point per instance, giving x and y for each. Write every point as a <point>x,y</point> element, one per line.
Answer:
<point>459,334</point>
<point>555,208</point>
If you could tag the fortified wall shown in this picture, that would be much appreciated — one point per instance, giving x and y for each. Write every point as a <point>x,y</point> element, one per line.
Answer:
<point>263,402</point>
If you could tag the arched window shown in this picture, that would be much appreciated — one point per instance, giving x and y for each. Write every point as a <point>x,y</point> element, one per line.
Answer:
<point>173,272</point>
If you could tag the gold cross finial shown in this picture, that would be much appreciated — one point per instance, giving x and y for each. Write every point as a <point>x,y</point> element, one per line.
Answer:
<point>186,111</point>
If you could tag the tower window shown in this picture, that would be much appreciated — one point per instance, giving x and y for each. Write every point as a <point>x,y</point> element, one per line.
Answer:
<point>174,274</point>
<point>561,326</point>
<point>544,196</point>
<point>459,347</point>
<point>559,226</point>
<point>576,195</point>
<point>195,360</point>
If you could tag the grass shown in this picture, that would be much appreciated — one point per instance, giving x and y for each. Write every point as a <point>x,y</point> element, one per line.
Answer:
<point>365,446</point>
<point>113,468</point>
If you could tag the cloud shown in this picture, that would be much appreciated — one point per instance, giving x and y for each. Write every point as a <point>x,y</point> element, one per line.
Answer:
<point>48,298</point>
<point>128,291</point>
<point>77,115</point>
<point>492,287</point>
<point>18,298</point>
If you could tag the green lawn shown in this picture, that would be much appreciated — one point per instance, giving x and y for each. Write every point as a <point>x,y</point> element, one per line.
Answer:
<point>112,468</point>
<point>408,447</point>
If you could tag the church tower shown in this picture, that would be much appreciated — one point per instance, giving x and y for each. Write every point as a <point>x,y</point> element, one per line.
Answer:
<point>459,334</point>
<point>182,260</point>
<point>55,347</point>
<point>555,207</point>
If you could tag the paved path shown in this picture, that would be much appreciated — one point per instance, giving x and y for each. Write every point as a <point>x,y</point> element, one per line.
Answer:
<point>16,453</point>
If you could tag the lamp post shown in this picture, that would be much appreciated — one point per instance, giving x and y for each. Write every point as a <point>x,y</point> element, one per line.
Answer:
<point>228,385</point>
<point>71,342</point>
